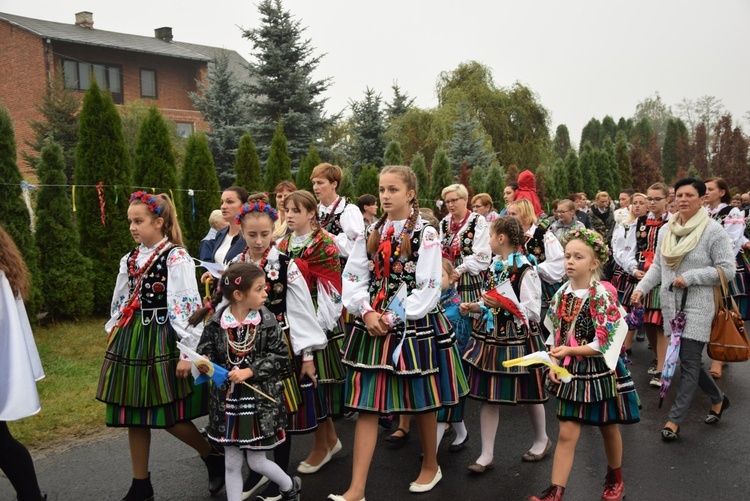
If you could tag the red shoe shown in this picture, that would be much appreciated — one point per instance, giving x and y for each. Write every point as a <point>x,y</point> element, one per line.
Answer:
<point>553,493</point>
<point>614,487</point>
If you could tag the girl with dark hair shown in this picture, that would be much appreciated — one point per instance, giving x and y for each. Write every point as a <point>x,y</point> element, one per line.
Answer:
<point>316,255</point>
<point>244,338</point>
<point>154,295</point>
<point>227,242</point>
<point>392,366</point>
<point>20,369</point>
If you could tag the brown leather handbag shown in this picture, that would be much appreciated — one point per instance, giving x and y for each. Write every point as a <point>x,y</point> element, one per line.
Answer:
<point>729,341</point>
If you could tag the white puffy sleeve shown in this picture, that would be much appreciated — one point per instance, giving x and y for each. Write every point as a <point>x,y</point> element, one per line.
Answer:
<point>329,307</point>
<point>481,255</point>
<point>304,331</point>
<point>626,256</point>
<point>356,279</point>
<point>352,224</point>
<point>531,295</point>
<point>428,275</point>
<point>183,298</point>
<point>552,270</point>
<point>734,223</point>
<point>120,294</point>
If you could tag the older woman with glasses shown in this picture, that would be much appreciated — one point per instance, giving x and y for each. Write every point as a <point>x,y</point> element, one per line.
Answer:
<point>482,205</point>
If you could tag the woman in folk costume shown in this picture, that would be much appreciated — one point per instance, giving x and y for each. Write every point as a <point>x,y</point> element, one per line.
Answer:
<point>145,380</point>
<point>316,255</point>
<point>587,331</point>
<point>504,332</point>
<point>281,191</point>
<point>290,301</point>
<point>733,219</point>
<point>20,369</point>
<point>392,366</point>
<point>641,251</point>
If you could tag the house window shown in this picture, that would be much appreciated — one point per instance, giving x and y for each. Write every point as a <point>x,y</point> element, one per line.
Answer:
<point>184,129</point>
<point>148,83</point>
<point>78,75</point>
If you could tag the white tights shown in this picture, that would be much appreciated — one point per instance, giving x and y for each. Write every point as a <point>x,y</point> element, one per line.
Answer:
<point>258,462</point>
<point>489,417</point>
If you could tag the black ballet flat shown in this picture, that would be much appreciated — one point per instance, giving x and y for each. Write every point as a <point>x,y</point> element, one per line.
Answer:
<point>715,417</point>
<point>670,435</point>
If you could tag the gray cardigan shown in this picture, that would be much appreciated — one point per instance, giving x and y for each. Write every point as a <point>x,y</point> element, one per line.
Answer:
<point>698,269</point>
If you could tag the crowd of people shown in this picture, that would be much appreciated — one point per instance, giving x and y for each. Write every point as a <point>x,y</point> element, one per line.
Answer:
<point>322,308</point>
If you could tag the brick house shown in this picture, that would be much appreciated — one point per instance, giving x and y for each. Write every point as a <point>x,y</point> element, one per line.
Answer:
<point>155,70</point>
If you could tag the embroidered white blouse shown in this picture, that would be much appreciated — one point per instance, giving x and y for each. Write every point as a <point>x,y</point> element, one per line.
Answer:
<point>183,298</point>
<point>627,259</point>
<point>351,222</point>
<point>479,260</point>
<point>552,270</point>
<point>734,223</point>
<point>305,333</point>
<point>530,292</point>
<point>428,273</point>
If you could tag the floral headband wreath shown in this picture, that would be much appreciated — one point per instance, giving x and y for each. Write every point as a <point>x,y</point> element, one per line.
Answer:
<point>149,201</point>
<point>257,207</point>
<point>590,238</point>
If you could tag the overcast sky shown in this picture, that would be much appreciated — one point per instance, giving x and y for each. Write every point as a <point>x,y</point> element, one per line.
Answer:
<point>582,58</point>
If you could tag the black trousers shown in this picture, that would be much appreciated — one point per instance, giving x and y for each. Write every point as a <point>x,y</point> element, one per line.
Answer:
<point>16,463</point>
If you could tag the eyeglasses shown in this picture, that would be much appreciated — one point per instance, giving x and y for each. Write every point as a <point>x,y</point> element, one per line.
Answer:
<point>655,199</point>
<point>475,206</point>
<point>452,201</point>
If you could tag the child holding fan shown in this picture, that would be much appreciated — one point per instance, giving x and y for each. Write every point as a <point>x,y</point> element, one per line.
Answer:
<point>145,380</point>
<point>587,331</point>
<point>426,375</point>
<point>245,338</point>
<point>504,332</point>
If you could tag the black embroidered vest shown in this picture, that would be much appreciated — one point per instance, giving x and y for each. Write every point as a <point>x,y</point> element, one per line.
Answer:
<point>720,216</point>
<point>515,283</point>
<point>333,226</point>
<point>403,269</point>
<point>534,246</point>
<point>153,292</point>
<point>276,285</point>
<point>646,235</point>
<point>466,239</point>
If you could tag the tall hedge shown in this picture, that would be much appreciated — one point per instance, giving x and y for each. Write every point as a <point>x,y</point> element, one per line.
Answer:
<point>155,165</point>
<point>247,166</point>
<point>199,175</point>
<point>66,274</point>
<point>279,165</point>
<point>102,157</point>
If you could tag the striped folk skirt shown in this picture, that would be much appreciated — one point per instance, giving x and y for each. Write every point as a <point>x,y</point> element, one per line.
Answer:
<point>427,377</point>
<point>597,395</point>
<point>138,379</point>
<point>624,284</point>
<point>740,284</point>
<point>489,381</point>
<point>326,400</point>
<point>652,305</point>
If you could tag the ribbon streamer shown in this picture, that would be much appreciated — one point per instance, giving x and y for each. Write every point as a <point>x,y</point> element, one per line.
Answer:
<point>25,188</point>
<point>74,197</point>
<point>191,194</point>
<point>102,203</point>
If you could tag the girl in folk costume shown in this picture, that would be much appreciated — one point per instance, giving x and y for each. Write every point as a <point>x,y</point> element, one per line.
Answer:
<point>543,246</point>
<point>290,301</point>
<point>465,240</point>
<point>641,251</point>
<point>588,329</point>
<point>504,332</point>
<point>282,189</point>
<point>20,369</point>
<point>733,220</point>
<point>336,214</point>
<point>245,338</point>
<point>623,281</point>
<point>392,366</point>
<point>316,255</point>
<point>145,380</point>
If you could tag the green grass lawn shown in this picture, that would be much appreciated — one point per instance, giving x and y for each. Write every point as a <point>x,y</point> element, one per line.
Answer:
<point>72,355</point>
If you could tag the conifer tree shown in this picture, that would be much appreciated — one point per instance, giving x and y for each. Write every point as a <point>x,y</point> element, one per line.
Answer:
<point>347,188</point>
<point>495,184</point>
<point>545,187</point>
<point>279,165</point>
<point>587,163</point>
<point>306,167</point>
<point>603,172</point>
<point>223,107</point>
<point>693,172</point>
<point>393,154</point>
<point>573,169</point>
<point>59,109</point>
<point>423,178</point>
<point>155,165</point>
<point>669,155</point>
<point>622,157</point>
<point>65,273</point>
<point>198,175</point>
<point>283,85</point>
<point>367,184</point>
<point>700,151</point>
<point>369,131</point>
<point>609,148</point>
<point>561,178</point>
<point>14,216</point>
<point>102,157</point>
<point>247,166</point>
<point>441,174</point>
<point>608,130</point>
<point>468,144</point>
<point>478,179</point>
<point>562,141</point>
<point>399,105</point>
<point>592,133</point>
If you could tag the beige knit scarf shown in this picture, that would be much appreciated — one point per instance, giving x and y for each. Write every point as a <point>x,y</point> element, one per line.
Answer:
<point>680,239</point>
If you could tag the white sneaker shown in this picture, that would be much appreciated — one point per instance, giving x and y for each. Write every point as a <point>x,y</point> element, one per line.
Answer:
<point>656,380</point>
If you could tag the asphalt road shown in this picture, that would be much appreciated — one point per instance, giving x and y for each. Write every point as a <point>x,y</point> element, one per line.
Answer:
<point>707,463</point>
